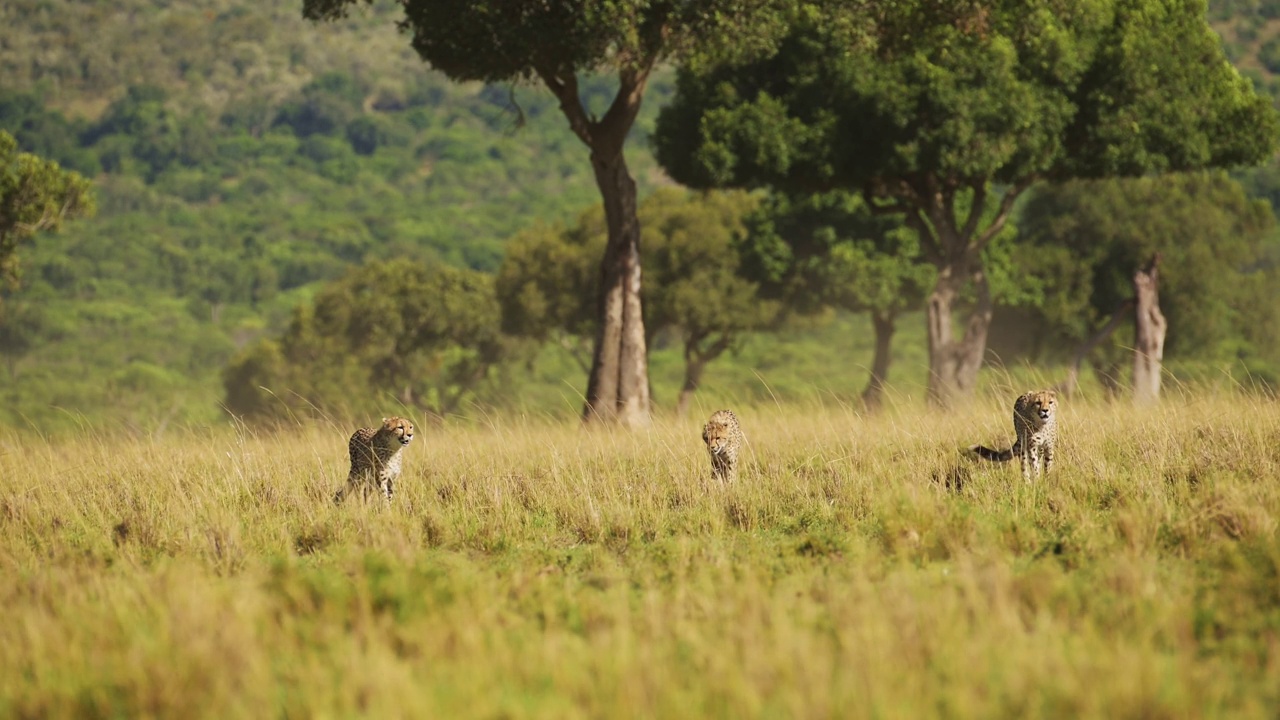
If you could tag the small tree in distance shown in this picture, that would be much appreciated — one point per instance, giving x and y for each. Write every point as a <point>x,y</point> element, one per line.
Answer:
<point>831,250</point>
<point>698,293</point>
<point>950,111</point>
<point>552,42</point>
<point>424,338</point>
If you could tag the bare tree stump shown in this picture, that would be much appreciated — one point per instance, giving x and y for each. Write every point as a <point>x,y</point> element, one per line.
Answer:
<point>1149,333</point>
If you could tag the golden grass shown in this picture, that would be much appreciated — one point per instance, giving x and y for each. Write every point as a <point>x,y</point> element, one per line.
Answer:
<point>861,567</point>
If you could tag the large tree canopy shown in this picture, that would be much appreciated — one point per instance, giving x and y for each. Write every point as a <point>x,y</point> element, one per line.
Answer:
<point>551,43</point>
<point>949,111</point>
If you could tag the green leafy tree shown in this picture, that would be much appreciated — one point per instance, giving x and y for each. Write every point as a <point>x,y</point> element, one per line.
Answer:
<point>697,289</point>
<point>425,338</point>
<point>35,195</point>
<point>949,111</point>
<point>553,44</point>
<point>1083,240</point>
<point>542,286</point>
<point>830,250</point>
<point>698,292</point>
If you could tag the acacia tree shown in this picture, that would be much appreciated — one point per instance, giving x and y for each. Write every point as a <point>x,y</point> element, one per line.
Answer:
<point>949,111</point>
<point>552,43</point>
<point>830,250</point>
<point>699,293</point>
<point>35,195</point>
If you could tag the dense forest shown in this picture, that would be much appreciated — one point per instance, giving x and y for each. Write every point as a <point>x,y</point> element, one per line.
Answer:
<point>254,173</point>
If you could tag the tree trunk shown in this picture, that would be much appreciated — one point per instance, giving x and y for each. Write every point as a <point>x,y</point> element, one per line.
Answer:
<point>953,240</point>
<point>693,368</point>
<point>873,394</point>
<point>619,384</point>
<point>618,388</point>
<point>1149,332</point>
<point>954,362</point>
<point>695,361</point>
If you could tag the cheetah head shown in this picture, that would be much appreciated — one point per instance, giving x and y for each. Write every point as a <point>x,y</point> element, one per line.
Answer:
<point>1043,404</point>
<point>716,436</point>
<point>397,430</point>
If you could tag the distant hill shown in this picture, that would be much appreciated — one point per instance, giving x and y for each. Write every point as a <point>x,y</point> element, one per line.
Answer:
<point>1250,31</point>
<point>242,156</point>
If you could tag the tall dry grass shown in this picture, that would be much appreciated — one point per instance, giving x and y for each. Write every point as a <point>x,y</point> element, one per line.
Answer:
<point>861,567</point>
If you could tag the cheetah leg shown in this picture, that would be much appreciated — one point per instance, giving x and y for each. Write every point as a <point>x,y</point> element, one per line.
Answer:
<point>344,491</point>
<point>387,488</point>
<point>1028,463</point>
<point>1048,458</point>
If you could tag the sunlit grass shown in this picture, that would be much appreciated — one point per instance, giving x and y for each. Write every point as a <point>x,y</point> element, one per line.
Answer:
<point>861,567</point>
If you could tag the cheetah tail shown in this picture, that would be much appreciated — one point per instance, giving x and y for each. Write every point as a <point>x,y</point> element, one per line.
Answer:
<point>993,455</point>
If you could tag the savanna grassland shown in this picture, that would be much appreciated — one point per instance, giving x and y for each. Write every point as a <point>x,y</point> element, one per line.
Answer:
<point>861,567</point>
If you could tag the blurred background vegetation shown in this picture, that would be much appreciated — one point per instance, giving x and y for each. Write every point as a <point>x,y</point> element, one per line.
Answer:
<point>255,173</point>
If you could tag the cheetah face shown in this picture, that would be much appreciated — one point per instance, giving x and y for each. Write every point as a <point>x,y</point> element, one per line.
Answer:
<point>398,428</point>
<point>1043,404</point>
<point>716,437</point>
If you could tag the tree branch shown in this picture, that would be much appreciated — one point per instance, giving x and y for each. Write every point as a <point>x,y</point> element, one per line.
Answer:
<point>1002,214</point>
<point>612,128</point>
<point>895,207</point>
<point>976,206</point>
<point>949,207</point>
<point>915,220</point>
<point>1068,386</point>
<point>566,91</point>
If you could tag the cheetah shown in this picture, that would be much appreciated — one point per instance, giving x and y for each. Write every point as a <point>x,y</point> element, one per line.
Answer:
<point>1035,420</point>
<point>375,458</point>
<point>724,439</point>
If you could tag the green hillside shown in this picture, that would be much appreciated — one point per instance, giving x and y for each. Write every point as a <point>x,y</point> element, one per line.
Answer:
<point>242,157</point>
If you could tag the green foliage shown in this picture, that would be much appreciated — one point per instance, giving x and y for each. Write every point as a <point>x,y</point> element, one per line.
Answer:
<point>425,338</point>
<point>217,219</point>
<point>35,195</point>
<point>1084,240</point>
<point>1007,94</point>
<point>831,250</point>
<point>476,40</point>
<point>947,113</point>
<point>549,282</point>
<point>213,209</point>
<point>693,273</point>
<point>46,133</point>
